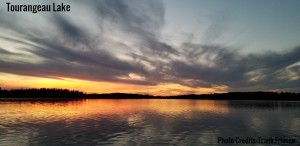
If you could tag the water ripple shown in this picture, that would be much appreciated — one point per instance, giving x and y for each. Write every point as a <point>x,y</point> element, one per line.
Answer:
<point>142,122</point>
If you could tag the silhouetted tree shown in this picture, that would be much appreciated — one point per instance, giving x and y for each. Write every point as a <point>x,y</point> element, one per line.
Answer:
<point>41,93</point>
<point>65,94</point>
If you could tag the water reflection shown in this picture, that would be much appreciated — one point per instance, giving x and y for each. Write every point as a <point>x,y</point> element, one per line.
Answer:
<point>144,122</point>
<point>57,110</point>
<point>268,105</point>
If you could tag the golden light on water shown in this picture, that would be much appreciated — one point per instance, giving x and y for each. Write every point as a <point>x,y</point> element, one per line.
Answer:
<point>53,111</point>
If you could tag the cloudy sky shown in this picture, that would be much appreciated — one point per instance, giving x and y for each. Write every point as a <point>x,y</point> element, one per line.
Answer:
<point>153,47</point>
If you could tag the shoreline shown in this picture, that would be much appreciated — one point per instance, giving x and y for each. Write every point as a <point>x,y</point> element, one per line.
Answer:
<point>154,98</point>
<point>64,94</point>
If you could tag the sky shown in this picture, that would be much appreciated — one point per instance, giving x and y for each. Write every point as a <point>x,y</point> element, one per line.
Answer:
<point>166,47</point>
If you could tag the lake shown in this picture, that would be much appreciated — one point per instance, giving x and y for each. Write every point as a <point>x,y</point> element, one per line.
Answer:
<point>148,122</point>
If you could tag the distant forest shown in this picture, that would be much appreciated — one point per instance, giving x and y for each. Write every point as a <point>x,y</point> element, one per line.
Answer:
<point>54,93</point>
<point>41,93</point>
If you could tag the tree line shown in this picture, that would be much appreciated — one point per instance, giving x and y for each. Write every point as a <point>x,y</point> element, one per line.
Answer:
<point>65,93</point>
<point>40,93</point>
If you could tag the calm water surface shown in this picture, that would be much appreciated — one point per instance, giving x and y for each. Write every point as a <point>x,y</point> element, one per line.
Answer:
<point>145,122</point>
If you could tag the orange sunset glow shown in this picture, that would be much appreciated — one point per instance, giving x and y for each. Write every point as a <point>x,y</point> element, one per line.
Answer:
<point>18,81</point>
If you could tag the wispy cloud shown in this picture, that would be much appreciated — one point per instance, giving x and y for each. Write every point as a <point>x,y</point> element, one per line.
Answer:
<point>122,39</point>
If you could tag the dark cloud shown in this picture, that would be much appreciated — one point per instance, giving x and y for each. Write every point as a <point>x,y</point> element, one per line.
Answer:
<point>5,52</point>
<point>68,29</point>
<point>251,72</point>
<point>144,18</point>
<point>72,53</point>
<point>66,46</point>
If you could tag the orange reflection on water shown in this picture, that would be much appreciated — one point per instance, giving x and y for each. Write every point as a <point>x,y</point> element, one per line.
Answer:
<point>31,111</point>
<point>174,106</point>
